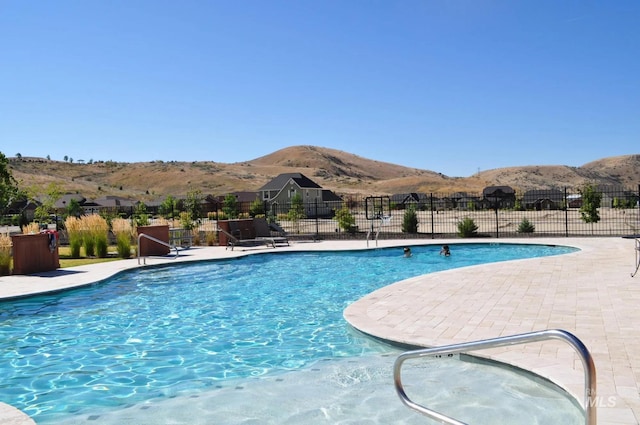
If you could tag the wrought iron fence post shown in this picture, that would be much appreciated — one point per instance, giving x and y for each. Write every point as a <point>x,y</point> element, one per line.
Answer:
<point>433,235</point>
<point>566,214</point>
<point>316,214</point>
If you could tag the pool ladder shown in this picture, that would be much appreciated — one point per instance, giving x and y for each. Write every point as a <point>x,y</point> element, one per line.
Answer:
<point>587,364</point>
<point>384,221</point>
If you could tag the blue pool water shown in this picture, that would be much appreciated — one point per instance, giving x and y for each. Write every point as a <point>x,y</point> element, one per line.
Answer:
<point>156,332</point>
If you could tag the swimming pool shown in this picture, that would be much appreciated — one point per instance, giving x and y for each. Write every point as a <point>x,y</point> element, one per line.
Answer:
<point>156,333</point>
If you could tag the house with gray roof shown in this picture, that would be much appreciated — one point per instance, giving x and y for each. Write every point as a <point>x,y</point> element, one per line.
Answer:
<point>499,196</point>
<point>279,192</point>
<point>404,200</point>
<point>463,201</point>
<point>23,207</point>
<point>543,199</point>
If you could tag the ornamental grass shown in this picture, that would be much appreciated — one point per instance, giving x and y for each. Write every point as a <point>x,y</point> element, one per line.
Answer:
<point>74,234</point>
<point>95,235</point>
<point>5,254</point>
<point>161,221</point>
<point>123,231</point>
<point>31,229</point>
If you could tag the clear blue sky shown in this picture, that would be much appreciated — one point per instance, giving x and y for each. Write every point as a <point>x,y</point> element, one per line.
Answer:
<point>453,86</point>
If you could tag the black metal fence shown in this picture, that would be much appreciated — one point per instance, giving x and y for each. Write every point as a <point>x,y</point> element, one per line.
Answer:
<point>549,212</point>
<point>537,213</point>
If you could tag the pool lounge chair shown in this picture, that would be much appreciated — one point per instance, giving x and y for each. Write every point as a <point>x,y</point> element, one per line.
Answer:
<point>260,229</point>
<point>263,231</point>
<point>277,229</point>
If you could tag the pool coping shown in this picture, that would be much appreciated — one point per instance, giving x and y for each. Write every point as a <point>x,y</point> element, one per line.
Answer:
<point>589,293</point>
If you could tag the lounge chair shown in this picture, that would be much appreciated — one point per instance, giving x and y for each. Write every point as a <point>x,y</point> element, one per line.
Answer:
<point>258,234</point>
<point>263,231</point>
<point>277,229</point>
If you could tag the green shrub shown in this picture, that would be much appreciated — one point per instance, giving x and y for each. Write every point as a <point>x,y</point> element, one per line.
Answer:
<point>346,220</point>
<point>256,208</point>
<point>186,221</point>
<point>410,221</point>
<point>467,228</point>
<point>526,226</point>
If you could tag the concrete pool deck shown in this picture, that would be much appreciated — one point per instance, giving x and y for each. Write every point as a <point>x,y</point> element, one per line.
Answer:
<point>589,293</point>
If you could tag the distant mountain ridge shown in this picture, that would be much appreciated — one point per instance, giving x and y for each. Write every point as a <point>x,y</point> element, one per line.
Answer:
<point>342,172</point>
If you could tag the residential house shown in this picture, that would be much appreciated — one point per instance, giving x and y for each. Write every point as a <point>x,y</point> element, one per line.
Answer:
<point>63,202</point>
<point>23,207</point>
<point>616,196</point>
<point>402,200</point>
<point>543,199</point>
<point>442,204</point>
<point>279,192</point>
<point>113,204</point>
<point>499,197</point>
<point>464,201</point>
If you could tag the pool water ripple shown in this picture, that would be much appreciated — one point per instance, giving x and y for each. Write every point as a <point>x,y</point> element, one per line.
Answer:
<point>158,331</point>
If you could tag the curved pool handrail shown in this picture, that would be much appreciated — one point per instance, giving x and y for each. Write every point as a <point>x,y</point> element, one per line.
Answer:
<point>161,242</point>
<point>587,363</point>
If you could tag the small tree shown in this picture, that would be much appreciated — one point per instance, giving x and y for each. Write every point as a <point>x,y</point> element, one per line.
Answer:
<point>186,221</point>
<point>74,209</point>
<point>8,185</point>
<point>256,208</point>
<point>518,205</point>
<point>346,220</point>
<point>193,204</point>
<point>590,203</point>
<point>230,206</point>
<point>467,228</point>
<point>410,220</point>
<point>169,207</point>
<point>526,226</point>
<point>43,211</point>
<point>140,216</point>
<point>296,212</point>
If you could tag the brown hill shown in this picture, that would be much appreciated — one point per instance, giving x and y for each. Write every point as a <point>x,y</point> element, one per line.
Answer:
<point>333,169</point>
<point>619,170</point>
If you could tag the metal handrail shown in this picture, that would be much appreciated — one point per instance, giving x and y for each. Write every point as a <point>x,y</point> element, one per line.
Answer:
<point>383,220</point>
<point>376,238</point>
<point>637,251</point>
<point>587,364</point>
<point>161,242</point>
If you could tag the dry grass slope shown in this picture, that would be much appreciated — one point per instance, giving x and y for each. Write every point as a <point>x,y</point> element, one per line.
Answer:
<point>333,169</point>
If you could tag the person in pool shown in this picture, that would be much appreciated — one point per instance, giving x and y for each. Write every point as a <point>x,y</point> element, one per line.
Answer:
<point>407,251</point>
<point>445,251</point>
